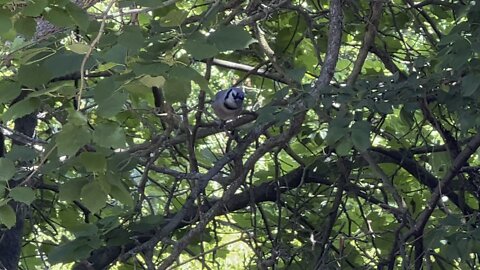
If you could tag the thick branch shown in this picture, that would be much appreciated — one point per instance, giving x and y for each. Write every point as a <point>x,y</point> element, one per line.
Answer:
<point>368,39</point>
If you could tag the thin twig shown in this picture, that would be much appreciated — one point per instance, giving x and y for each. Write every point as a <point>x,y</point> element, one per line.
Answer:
<point>89,52</point>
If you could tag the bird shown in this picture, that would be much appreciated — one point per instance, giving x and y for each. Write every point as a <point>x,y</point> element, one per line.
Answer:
<point>228,104</point>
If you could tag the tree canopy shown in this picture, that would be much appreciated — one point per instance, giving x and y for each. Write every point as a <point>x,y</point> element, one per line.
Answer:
<point>357,148</point>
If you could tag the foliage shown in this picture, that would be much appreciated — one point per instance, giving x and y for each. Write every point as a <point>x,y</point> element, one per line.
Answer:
<point>128,166</point>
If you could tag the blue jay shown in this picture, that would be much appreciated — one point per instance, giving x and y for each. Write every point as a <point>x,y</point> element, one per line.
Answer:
<point>228,104</point>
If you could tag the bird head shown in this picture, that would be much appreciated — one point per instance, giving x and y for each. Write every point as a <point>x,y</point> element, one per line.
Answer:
<point>234,98</point>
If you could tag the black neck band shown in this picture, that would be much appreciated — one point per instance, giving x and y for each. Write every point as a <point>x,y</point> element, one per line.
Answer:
<point>229,107</point>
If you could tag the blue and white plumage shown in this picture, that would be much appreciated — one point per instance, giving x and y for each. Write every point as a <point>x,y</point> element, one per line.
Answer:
<point>228,104</point>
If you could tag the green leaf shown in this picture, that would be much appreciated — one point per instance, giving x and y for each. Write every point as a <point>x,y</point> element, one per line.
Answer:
<point>93,196</point>
<point>5,21</point>
<point>113,105</point>
<point>76,249</point>
<point>29,54</point>
<point>182,72</point>
<point>7,169</point>
<point>9,90</point>
<point>21,153</point>
<point>361,135</point>
<point>343,147</point>
<point>22,194</point>
<point>70,190</point>
<point>65,63</point>
<point>153,69</point>
<point>177,90</point>
<point>146,3</point>
<point>470,84</point>
<point>93,162</point>
<point>21,108</point>
<point>117,54</point>
<point>199,47</point>
<point>34,8</point>
<point>25,26</point>
<point>79,48</point>
<point>406,117</point>
<point>79,16</point>
<point>59,17</point>
<point>77,118</point>
<point>109,98</point>
<point>174,18</point>
<point>131,38</point>
<point>120,193</point>
<point>150,81</point>
<point>230,38</point>
<point>122,162</point>
<point>335,133</point>
<point>7,216</point>
<point>71,138</point>
<point>33,75</point>
<point>109,135</point>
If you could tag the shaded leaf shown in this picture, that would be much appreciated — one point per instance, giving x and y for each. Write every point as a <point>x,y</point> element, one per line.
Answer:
<point>7,169</point>
<point>231,38</point>
<point>22,194</point>
<point>79,16</point>
<point>34,8</point>
<point>77,249</point>
<point>9,90</point>
<point>66,63</point>
<point>154,69</point>
<point>21,108</point>
<point>25,26</point>
<point>21,153</point>
<point>360,133</point>
<point>174,18</point>
<point>470,84</point>
<point>182,72</point>
<point>200,48</point>
<point>93,196</point>
<point>33,75</point>
<point>335,133</point>
<point>109,98</point>
<point>7,216</point>
<point>59,17</point>
<point>131,38</point>
<point>176,90</point>
<point>71,138</point>
<point>343,147</point>
<point>119,192</point>
<point>109,135</point>
<point>5,21</point>
<point>93,162</point>
<point>70,190</point>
